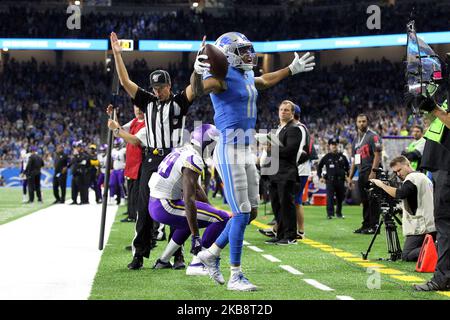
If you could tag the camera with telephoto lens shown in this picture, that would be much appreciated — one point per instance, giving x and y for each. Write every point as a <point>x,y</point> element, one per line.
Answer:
<point>384,200</point>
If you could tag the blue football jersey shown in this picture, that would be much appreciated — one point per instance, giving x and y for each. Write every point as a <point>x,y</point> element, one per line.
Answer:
<point>235,108</point>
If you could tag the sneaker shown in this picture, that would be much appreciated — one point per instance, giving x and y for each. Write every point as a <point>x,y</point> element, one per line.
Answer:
<point>300,235</point>
<point>73,203</point>
<point>430,286</point>
<point>274,240</point>
<point>137,263</point>
<point>268,232</point>
<point>197,269</point>
<point>212,263</point>
<point>329,217</point>
<point>286,242</point>
<point>178,263</point>
<point>238,282</point>
<point>56,201</point>
<point>128,220</point>
<point>340,216</point>
<point>162,265</point>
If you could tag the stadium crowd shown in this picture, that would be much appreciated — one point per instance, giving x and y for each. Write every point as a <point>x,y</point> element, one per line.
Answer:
<point>26,21</point>
<point>45,105</point>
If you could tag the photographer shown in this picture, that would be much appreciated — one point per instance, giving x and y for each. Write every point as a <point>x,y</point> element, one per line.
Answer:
<point>417,195</point>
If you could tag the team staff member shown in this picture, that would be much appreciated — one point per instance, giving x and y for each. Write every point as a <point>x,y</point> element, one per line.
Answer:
<point>366,149</point>
<point>60,175</point>
<point>282,184</point>
<point>33,174</point>
<point>164,115</point>
<point>436,159</point>
<point>337,169</point>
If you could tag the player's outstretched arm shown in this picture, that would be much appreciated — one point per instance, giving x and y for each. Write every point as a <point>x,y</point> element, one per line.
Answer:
<point>129,86</point>
<point>304,64</point>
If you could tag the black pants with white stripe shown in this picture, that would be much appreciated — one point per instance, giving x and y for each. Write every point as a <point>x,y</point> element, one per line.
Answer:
<point>142,242</point>
<point>133,196</point>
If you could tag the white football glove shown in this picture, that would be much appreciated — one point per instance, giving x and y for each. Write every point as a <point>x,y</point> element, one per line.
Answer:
<point>200,66</point>
<point>304,64</point>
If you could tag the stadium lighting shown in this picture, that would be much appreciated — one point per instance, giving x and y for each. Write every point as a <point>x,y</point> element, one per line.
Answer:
<point>77,2</point>
<point>5,49</point>
<point>195,4</point>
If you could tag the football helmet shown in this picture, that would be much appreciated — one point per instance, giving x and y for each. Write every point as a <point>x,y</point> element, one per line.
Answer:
<point>238,50</point>
<point>205,136</point>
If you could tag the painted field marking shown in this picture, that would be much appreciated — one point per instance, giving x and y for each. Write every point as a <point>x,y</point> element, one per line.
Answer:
<point>318,285</point>
<point>344,298</point>
<point>271,258</point>
<point>291,269</point>
<point>256,249</point>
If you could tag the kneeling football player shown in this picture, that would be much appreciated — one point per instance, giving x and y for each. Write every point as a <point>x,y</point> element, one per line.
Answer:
<point>178,200</point>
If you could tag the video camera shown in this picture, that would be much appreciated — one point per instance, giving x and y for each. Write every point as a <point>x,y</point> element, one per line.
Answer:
<point>385,201</point>
<point>389,208</point>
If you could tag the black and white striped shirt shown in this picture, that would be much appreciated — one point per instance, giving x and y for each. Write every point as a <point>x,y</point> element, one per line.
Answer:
<point>164,120</point>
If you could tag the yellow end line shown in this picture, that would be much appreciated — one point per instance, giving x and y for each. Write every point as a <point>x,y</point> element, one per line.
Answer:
<point>393,273</point>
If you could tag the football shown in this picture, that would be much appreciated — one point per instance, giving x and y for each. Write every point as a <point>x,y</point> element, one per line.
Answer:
<point>218,61</point>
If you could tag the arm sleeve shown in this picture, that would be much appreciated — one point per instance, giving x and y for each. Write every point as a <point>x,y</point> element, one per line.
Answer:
<point>406,190</point>
<point>292,142</point>
<point>375,143</point>
<point>194,163</point>
<point>320,166</point>
<point>142,99</point>
<point>142,136</point>
<point>127,126</point>
<point>182,100</point>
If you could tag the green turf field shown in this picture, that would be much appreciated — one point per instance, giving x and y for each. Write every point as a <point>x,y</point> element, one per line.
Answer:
<point>12,208</point>
<point>347,278</point>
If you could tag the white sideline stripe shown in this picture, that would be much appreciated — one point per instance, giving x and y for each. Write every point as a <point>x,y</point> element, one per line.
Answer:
<point>245,243</point>
<point>256,249</point>
<point>344,298</point>
<point>291,269</point>
<point>271,258</point>
<point>52,253</point>
<point>318,285</point>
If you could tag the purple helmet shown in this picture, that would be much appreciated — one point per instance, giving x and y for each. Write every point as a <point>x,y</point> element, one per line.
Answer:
<point>103,147</point>
<point>204,135</point>
<point>118,142</point>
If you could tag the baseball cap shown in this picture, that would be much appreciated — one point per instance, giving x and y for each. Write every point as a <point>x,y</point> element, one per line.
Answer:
<point>159,78</point>
<point>333,141</point>
<point>297,110</point>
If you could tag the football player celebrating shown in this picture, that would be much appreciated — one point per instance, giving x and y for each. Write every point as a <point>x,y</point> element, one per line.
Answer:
<point>177,199</point>
<point>234,102</point>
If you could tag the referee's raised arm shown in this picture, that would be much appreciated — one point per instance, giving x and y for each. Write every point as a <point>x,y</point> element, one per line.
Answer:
<point>129,86</point>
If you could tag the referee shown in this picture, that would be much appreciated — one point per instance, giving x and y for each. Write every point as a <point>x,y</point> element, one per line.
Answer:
<point>164,114</point>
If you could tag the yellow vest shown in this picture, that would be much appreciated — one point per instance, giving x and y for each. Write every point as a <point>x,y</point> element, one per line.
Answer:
<point>436,128</point>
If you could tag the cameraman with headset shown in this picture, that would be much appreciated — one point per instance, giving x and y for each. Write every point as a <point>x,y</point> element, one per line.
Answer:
<point>417,195</point>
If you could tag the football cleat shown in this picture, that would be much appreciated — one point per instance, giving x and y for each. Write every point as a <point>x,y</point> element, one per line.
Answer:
<point>212,263</point>
<point>197,269</point>
<point>238,282</point>
<point>162,265</point>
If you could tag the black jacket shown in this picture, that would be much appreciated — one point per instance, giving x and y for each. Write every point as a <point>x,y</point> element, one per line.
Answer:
<point>81,164</point>
<point>34,165</point>
<point>336,164</point>
<point>290,137</point>
<point>61,161</point>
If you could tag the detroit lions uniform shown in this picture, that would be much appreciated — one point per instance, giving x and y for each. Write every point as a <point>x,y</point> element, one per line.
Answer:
<point>166,192</point>
<point>235,118</point>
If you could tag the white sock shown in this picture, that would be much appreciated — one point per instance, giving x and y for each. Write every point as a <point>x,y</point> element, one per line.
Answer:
<point>169,251</point>
<point>215,250</point>
<point>235,270</point>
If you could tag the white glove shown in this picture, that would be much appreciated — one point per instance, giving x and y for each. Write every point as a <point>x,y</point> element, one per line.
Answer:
<point>201,67</point>
<point>304,64</point>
